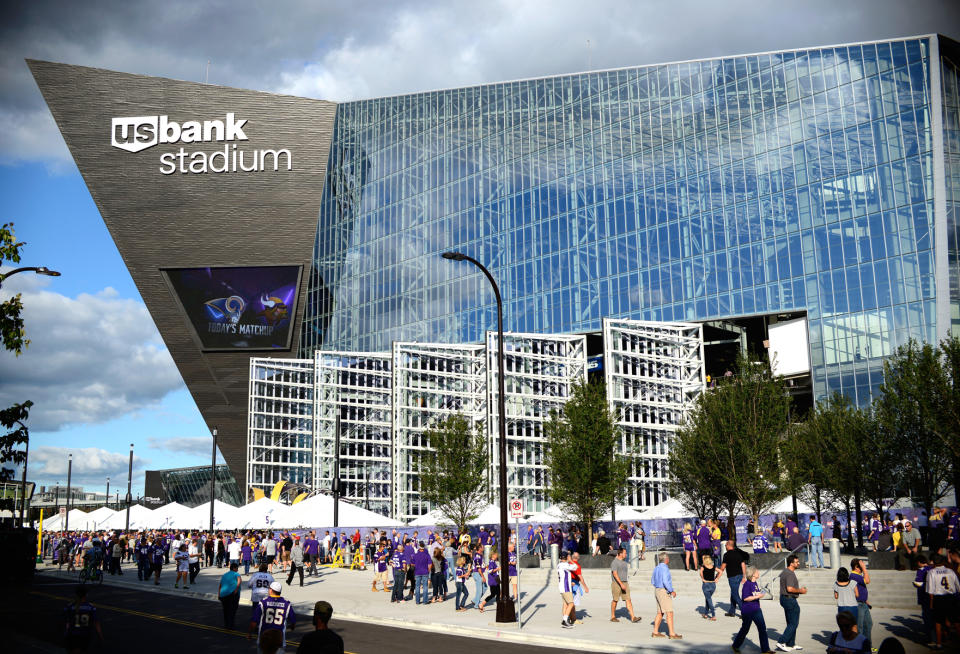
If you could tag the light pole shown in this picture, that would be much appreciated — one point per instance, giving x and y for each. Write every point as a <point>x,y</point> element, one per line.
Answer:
<point>106,497</point>
<point>506,612</point>
<point>40,270</point>
<point>129,484</point>
<point>66,527</point>
<point>213,476</point>
<point>336,471</point>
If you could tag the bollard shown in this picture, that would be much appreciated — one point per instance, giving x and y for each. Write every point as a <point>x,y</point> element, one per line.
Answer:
<point>347,557</point>
<point>486,553</point>
<point>834,553</point>
<point>554,555</point>
<point>633,554</point>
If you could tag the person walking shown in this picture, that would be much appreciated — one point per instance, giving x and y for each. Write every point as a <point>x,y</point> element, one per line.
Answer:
<point>229,595</point>
<point>620,584</point>
<point>80,623</point>
<point>790,590</point>
<point>194,566</point>
<point>845,593</point>
<point>322,640</point>
<point>664,593</point>
<point>750,612</point>
<point>580,586</point>
<point>477,575</point>
<point>860,576</point>
<point>513,572</point>
<point>815,540</point>
<point>272,613</point>
<point>296,561</point>
<point>943,589</point>
<point>565,571</point>
<point>182,561</point>
<point>380,564</point>
<point>735,565</point>
<point>493,580</point>
<point>461,573</point>
<point>158,554</point>
<point>708,579</point>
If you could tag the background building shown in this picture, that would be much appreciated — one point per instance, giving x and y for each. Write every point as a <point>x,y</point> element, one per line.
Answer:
<point>808,194</point>
<point>191,486</point>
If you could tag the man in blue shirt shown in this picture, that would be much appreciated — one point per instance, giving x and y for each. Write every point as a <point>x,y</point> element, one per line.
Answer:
<point>815,539</point>
<point>663,592</point>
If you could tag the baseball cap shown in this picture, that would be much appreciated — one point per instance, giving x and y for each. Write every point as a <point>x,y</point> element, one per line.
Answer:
<point>323,611</point>
<point>276,587</point>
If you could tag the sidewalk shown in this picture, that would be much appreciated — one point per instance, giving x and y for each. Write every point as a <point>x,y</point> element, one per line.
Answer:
<point>349,593</point>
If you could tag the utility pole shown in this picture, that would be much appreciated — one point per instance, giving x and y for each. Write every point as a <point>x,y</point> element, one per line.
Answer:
<point>213,467</point>
<point>66,527</point>
<point>336,471</point>
<point>106,497</point>
<point>129,485</point>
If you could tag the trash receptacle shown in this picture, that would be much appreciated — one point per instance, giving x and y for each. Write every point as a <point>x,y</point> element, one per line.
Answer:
<point>486,553</point>
<point>554,555</point>
<point>634,554</point>
<point>834,553</point>
<point>347,557</point>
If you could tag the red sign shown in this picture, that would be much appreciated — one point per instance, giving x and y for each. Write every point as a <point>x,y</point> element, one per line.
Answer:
<point>516,508</point>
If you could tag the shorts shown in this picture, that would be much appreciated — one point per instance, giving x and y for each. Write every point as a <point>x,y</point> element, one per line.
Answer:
<point>777,539</point>
<point>944,608</point>
<point>285,556</point>
<point>567,598</point>
<point>380,576</point>
<point>513,579</point>
<point>620,594</point>
<point>268,559</point>
<point>664,601</point>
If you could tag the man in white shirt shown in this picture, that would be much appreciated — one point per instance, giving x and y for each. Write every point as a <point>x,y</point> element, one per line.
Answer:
<point>326,548</point>
<point>565,572</point>
<point>259,584</point>
<point>194,551</point>
<point>943,587</point>
<point>233,551</point>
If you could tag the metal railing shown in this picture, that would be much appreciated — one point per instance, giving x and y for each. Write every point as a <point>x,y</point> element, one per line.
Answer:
<point>780,565</point>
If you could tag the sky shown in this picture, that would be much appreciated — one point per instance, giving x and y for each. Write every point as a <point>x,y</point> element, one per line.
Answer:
<point>97,370</point>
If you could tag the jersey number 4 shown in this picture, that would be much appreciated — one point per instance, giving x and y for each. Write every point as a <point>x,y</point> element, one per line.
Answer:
<point>945,582</point>
<point>274,616</point>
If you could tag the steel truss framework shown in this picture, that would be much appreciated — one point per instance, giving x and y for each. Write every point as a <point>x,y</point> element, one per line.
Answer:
<point>382,403</point>
<point>654,372</point>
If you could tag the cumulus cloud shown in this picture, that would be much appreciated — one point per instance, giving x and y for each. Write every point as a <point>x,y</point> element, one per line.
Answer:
<point>366,48</point>
<point>91,359</point>
<point>185,445</point>
<point>91,465</point>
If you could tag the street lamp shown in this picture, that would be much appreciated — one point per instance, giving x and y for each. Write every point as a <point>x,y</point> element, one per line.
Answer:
<point>213,477</point>
<point>106,497</point>
<point>40,270</point>
<point>506,612</point>
<point>129,483</point>
<point>66,526</point>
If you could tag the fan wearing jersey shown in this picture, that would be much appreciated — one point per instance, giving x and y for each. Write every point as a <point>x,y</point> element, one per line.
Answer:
<point>565,584</point>
<point>259,584</point>
<point>943,588</point>
<point>158,553</point>
<point>273,613</point>
<point>760,543</point>
<point>80,621</point>
<point>182,560</point>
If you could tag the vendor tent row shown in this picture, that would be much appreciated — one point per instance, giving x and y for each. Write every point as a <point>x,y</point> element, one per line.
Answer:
<point>264,513</point>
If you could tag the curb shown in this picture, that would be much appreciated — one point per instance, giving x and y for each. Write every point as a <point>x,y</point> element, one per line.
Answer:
<point>494,634</point>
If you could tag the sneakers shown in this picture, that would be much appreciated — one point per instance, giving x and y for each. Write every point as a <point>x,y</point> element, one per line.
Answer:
<point>784,648</point>
<point>565,624</point>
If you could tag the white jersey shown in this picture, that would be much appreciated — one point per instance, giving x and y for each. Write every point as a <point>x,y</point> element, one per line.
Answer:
<point>259,585</point>
<point>942,581</point>
<point>234,550</point>
<point>565,576</point>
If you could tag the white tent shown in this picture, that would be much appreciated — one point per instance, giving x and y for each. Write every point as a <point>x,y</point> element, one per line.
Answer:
<point>76,519</point>
<point>100,516</point>
<point>786,506</point>
<point>168,515</point>
<point>265,514</point>
<point>428,519</point>
<point>488,516</point>
<point>622,513</point>
<point>139,518</point>
<point>550,514</point>
<point>670,508</point>
<point>317,511</point>
<point>225,516</point>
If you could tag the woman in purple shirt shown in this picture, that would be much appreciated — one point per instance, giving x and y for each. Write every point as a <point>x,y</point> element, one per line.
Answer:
<point>689,550</point>
<point>750,612</point>
<point>246,556</point>
<point>493,580</point>
<point>477,574</point>
<point>461,574</point>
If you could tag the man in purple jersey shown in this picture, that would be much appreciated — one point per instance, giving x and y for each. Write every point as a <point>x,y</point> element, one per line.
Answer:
<point>311,549</point>
<point>484,537</point>
<point>704,542</point>
<point>272,612</point>
<point>80,621</point>
<point>422,564</point>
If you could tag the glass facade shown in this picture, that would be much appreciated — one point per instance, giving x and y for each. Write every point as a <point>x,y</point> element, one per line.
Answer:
<point>789,181</point>
<point>950,74</point>
<point>191,486</point>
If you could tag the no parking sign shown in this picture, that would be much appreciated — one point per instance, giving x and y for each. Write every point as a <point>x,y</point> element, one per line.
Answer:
<point>516,508</point>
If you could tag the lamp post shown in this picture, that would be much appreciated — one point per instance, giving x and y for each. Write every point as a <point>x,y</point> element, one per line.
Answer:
<point>506,612</point>
<point>40,270</point>
<point>213,476</point>
<point>129,484</point>
<point>106,497</point>
<point>66,526</point>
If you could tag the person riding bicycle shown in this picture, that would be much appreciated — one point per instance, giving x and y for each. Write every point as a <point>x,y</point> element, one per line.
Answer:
<point>93,557</point>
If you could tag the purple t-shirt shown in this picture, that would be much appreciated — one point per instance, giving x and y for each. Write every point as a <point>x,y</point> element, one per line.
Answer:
<point>311,546</point>
<point>246,553</point>
<point>749,588</point>
<point>484,537</point>
<point>421,563</point>
<point>703,538</point>
<point>512,564</point>
<point>493,579</point>
<point>381,561</point>
<point>688,540</point>
<point>862,593</point>
<point>478,561</point>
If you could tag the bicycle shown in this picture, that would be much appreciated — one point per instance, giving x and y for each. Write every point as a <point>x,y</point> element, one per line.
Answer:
<point>92,572</point>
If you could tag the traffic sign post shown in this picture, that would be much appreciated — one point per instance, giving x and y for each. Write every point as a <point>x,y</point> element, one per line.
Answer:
<point>516,512</point>
<point>516,509</point>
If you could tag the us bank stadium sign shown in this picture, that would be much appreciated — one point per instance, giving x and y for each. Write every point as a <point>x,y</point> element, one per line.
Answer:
<point>138,133</point>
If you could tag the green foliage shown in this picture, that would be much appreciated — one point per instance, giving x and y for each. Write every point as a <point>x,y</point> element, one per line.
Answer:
<point>13,419</point>
<point>11,322</point>
<point>453,476</point>
<point>738,428</point>
<point>700,485</point>
<point>911,409</point>
<point>586,474</point>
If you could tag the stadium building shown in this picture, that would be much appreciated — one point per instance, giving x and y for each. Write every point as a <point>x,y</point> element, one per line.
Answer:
<point>801,203</point>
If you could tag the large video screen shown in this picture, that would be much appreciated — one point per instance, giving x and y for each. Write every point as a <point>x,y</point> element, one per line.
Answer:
<point>243,308</point>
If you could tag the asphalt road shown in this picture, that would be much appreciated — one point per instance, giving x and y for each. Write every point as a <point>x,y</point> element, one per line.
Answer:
<point>145,622</point>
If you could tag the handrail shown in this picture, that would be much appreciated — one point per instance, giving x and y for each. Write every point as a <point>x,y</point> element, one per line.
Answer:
<point>766,586</point>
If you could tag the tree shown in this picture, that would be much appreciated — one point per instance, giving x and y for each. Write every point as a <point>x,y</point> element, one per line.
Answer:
<point>586,472</point>
<point>741,425</point>
<point>944,400</point>
<point>453,474</point>
<point>907,415</point>
<point>700,485</point>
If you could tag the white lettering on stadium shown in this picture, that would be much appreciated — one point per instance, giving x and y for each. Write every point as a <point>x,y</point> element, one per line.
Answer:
<point>137,133</point>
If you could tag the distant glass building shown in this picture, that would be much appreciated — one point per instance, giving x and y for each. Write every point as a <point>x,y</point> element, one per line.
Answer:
<point>824,181</point>
<point>191,486</point>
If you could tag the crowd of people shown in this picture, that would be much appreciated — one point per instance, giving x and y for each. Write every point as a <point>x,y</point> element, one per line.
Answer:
<point>435,566</point>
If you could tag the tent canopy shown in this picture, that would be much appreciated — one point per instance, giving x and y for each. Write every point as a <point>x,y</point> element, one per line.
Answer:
<point>490,515</point>
<point>139,517</point>
<point>669,508</point>
<point>317,511</point>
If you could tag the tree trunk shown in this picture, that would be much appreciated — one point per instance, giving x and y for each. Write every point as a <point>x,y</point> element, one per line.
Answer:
<point>956,481</point>
<point>849,531</point>
<point>817,503</point>
<point>731,524</point>
<point>856,506</point>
